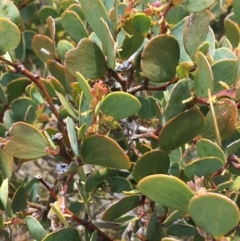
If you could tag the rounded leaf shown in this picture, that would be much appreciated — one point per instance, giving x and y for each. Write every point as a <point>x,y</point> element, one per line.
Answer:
<point>166,190</point>
<point>87,59</point>
<point>206,148</point>
<point>180,92</point>
<point>67,234</point>
<point>232,31</point>
<point>73,25</point>
<point>197,5</point>
<point>226,115</point>
<point>9,10</point>
<point>103,151</point>
<point>141,22</point>
<point>120,105</point>
<point>181,129</point>
<point>19,200</point>
<point>10,36</point>
<point>152,162</point>
<point>160,58</point>
<point>26,142</point>
<point>43,47</point>
<point>224,70</point>
<point>35,229</point>
<point>195,32</point>
<point>6,163</point>
<point>223,53</point>
<point>203,166</point>
<point>214,213</point>
<point>121,207</point>
<point>203,76</point>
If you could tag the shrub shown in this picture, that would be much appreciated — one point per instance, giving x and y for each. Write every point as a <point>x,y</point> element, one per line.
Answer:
<point>135,102</point>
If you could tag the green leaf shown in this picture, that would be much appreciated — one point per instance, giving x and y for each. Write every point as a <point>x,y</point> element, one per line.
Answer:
<point>85,87</point>
<point>226,114</point>
<point>166,190</point>
<point>16,88</point>
<point>43,47</point>
<point>182,230</point>
<point>197,5</point>
<point>103,151</point>
<point>60,73</point>
<point>47,11</point>
<point>72,136</point>
<point>236,9</point>
<point>114,104</point>
<point>35,229</point>
<point>211,210</point>
<point>67,234</point>
<point>178,34</point>
<point>172,218</point>
<point>97,17</point>
<point>206,148</point>
<point>63,47</point>
<point>4,193</point>
<point>96,178</point>
<point>141,23</point>
<point>6,164</point>
<point>149,108</point>
<point>179,93</point>
<point>160,58</point>
<point>205,166</point>
<point>223,70</point>
<point>94,236</point>
<point>93,12</point>
<point>9,11</point>
<point>91,67</point>
<point>120,184</point>
<point>109,45</point>
<point>195,32</point>
<point>11,35</point>
<point>233,147</point>
<point>232,32</point>
<point>26,142</point>
<point>20,107</point>
<point>153,228</point>
<point>73,25</point>
<point>152,162</point>
<point>19,200</point>
<point>131,43</point>
<point>223,53</point>
<point>175,15</point>
<point>203,76</point>
<point>121,207</point>
<point>181,129</point>
<point>66,104</point>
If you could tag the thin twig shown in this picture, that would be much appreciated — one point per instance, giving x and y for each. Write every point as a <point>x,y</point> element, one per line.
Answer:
<point>119,79</point>
<point>153,88</point>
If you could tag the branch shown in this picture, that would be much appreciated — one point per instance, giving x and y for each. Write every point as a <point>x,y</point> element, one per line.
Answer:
<point>153,88</point>
<point>37,81</point>
<point>119,79</point>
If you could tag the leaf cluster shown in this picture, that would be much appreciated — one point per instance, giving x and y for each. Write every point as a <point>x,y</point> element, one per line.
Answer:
<point>133,102</point>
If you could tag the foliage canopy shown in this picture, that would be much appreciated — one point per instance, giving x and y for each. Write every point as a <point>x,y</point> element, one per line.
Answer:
<point>135,102</point>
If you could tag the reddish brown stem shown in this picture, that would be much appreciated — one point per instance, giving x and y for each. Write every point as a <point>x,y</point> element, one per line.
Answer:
<point>89,225</point>
<point>51,191</point>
